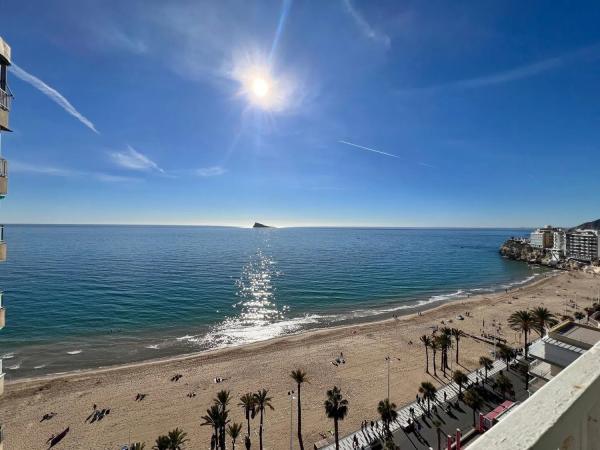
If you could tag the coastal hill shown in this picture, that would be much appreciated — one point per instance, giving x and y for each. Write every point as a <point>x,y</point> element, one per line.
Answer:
<point>260,225</point>
<point>593,225</point>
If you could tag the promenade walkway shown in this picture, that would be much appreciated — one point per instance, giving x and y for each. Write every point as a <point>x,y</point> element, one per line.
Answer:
<point>368,435</point>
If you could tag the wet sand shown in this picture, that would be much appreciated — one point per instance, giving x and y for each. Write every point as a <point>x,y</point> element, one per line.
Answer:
<point>267,365</point>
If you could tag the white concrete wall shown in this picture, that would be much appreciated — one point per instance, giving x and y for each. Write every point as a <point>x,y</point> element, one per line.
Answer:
<point>563,415</point>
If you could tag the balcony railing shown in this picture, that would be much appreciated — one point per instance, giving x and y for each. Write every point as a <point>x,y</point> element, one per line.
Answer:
<point>563,414</point>
<point>3,177</point>
<point>5,98</point>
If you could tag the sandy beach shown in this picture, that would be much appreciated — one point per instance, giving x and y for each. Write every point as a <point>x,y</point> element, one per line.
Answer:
<point>267,365</point>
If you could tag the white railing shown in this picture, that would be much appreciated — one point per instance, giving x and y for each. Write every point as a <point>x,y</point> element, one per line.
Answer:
<point>564,414</point>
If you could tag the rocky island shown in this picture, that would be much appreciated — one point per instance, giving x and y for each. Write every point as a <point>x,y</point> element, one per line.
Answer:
<point>260,225</point>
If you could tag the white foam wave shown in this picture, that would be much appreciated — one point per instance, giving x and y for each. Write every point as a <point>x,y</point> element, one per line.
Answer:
<point>8,356</point>
<point>153,347</point>
<point>14,367</point>
<point>74,352</point>
<point>237,331</point>
<point>40,366</point>
<point>187,337</point>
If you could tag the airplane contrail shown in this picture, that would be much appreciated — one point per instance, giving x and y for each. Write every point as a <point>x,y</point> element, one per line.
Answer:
<point>369,149</point>
<point>53,94</point>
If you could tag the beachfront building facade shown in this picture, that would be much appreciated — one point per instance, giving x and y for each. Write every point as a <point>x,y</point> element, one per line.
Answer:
<point>559,244</point>
<point>542,238</point>
<point>5,104</point>
<point>583,245</point>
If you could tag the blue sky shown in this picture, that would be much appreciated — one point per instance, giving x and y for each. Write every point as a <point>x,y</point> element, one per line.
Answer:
<point>394,113</point>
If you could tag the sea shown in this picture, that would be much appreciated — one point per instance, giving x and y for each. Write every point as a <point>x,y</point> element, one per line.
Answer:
<point>81,297</point>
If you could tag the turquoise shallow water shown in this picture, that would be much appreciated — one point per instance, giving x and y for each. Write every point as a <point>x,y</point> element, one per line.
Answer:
<point>88,296</point>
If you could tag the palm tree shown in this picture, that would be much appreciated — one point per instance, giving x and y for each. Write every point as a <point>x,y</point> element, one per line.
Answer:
<point>487,364</point>
<point>578,315</point>
<point>388,413</point>
<point>506,353</point>
<point>234,431</point>
<point>262,401</point>
<point>503,384</point>
<point>444,341</point>
<point>247,403</point>
<point>177,439</point>
<point>426,340</point>
<point>543,319</point>
<point>457,335</point>
<point>214,418</point>
<point>474,400</point>
<point>162,443</point>
<point>247,442</point>
<point>434,348</point>
<point>428,390</point>
<point>137,446</point>
<point>459,378</point>
<point>522,321</point>
<point>222,400</point>
<point>299,376</point>
<point>336,408</point>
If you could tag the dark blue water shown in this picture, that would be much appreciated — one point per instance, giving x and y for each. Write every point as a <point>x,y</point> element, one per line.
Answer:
<point>87,296</point>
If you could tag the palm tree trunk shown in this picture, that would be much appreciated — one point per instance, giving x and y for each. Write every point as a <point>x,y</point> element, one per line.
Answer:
<point>486,371</point>
<point>426,360</point>
<point>248,420</point>
<point>457,351</point>
<point>434,369</point>
<point>525,344</point>
<point>233,444</point>
<point>300,442</point>
<point>428,406</point>
<point>260,431</point>
<point>337,437</point>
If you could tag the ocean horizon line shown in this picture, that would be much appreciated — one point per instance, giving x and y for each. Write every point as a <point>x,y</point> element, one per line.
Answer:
<point>356,227</point>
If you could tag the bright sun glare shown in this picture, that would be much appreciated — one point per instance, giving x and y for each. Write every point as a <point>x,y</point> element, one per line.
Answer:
<point>260,87</point>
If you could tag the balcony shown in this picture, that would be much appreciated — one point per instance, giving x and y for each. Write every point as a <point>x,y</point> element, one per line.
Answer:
<point>3,177</point>
<point>2,312</point>
<point>5,103</point>
<point>1,379</point>
<point>563,414</point>
<point>2,245</point>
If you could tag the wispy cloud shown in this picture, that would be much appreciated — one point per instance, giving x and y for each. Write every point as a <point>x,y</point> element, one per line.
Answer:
<point>365,27</point>
<point>134,160</point>
<point>42,169</point>
<point>532,69</point>
<point>211,171</point>
<point>369,149</point>
<point>53,94</point>
<point>17,166</point>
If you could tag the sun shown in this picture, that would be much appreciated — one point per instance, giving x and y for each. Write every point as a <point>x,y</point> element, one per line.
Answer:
<point>260,87</point>
<point>263,86</point>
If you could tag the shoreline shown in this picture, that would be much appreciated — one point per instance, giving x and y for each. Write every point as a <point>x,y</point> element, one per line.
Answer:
<point>383,318</point>
<point>266,365</point>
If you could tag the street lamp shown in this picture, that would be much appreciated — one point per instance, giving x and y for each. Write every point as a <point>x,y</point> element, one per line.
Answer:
<point>291,396</point>
<point>387,359</point>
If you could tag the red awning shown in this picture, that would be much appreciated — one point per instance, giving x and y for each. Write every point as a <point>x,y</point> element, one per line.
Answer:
<point>499,410</point>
